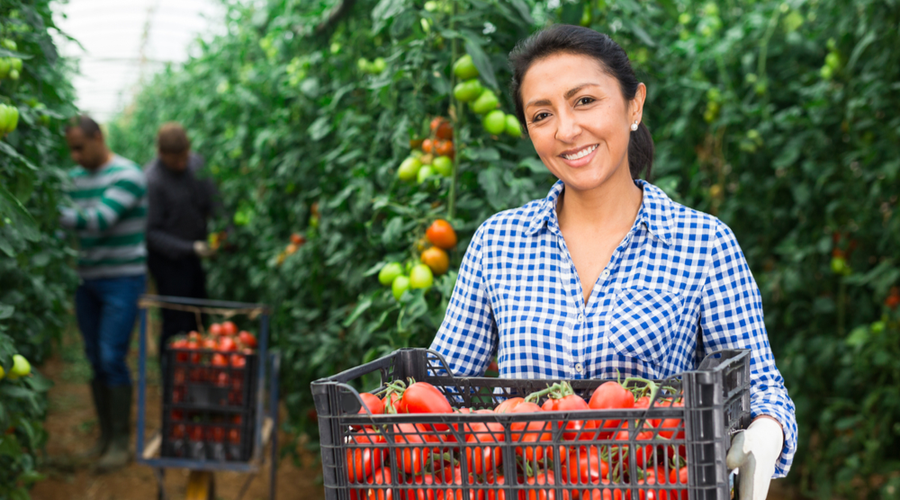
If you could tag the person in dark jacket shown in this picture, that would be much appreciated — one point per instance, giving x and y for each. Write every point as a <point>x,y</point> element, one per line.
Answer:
<point>180,204</point>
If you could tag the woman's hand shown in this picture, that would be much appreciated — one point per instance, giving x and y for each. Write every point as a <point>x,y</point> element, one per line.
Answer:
<point>754,453</point>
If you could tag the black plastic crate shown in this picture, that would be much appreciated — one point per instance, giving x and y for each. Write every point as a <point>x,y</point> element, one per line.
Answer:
<point>715,398</point>
<point>208,405</point>
<point>196,379</point>
<point>207,435</point>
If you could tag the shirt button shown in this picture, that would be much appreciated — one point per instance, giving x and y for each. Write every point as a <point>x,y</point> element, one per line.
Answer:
<point>581,318</point>
<point>579,368</point>
<point>605,274</point>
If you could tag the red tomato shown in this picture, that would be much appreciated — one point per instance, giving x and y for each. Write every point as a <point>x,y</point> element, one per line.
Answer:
<point>238,360</point>
<point>410,458</point>
<point>215,329</point>
<point>219,360</point>
<point>481,459</point>
<point>427,146</point>
<point>569,402</point>
<point>209,343</point>
<point>194,335</point>
<point>247,339</point>
<point>178,431</point>
<point>678,476</point>
<point>362,461</point>
<point>643,453</point>
<point>443,148</point>
<point>382,475</point>
<point>229,328</point>
<point>585,467</point>
<point>457,494</point>
<point>227,344</point>
<point>529,433</point>
<point>508,405</point>
<point>422,397</point>
<point>441,234</point>
<point>195,432</point>
<point>497,494</point>
<point>610,395</point>
<point>546,480</point>
<point>391,403</point>
<point>372,402</point>
<point>234,436</point>
<point>670,426</point>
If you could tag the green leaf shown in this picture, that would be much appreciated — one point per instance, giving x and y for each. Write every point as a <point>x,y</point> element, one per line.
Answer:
<point>358,311</point>
<point>11,207</point>
<point>6,311</point>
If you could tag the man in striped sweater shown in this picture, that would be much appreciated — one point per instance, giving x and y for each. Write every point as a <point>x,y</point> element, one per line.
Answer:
<point>109,218</point>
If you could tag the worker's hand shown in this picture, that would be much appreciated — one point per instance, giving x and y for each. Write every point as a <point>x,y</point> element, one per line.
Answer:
<point>754,453</point>
<point>202,249</point>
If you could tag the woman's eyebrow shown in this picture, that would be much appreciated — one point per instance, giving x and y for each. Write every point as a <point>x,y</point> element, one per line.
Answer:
<point>568,95</point>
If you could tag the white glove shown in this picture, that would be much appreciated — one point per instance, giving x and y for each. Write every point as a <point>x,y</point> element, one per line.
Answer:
<point>202,249</point>
<point>754,453</point>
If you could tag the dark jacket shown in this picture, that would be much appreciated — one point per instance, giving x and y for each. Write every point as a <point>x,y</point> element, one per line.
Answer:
<point>179,205</point>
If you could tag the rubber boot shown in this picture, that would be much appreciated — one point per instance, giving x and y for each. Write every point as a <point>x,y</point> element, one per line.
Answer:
<point>117,454</point>
<point>101,405</point>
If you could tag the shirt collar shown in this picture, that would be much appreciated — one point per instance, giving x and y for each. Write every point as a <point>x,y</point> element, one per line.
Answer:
<point>653,214</point>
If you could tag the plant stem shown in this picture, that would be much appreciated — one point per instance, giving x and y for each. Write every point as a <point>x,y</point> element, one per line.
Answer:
<point>456,119</point>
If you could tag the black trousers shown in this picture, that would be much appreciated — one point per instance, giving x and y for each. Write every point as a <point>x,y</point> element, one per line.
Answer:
<point>177,278</point>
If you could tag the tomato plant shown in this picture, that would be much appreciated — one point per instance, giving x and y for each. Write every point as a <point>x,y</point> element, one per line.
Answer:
<point>779,123</point>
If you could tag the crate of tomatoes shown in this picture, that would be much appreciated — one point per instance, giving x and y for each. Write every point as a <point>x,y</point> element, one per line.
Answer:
<point>420,433</point>
<point>209,387</point>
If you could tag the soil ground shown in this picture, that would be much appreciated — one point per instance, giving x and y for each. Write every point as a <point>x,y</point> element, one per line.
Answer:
<point>72,427</point>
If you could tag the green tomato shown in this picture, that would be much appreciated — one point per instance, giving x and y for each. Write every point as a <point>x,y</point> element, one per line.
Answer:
<point>443,165</point>
<point>2,373</point>
<point>431,6</point>
<point>684,18</point>
<point>363,64</point>
<point>833,60</point>
<point>378,65</point>
<point>16,63</point>
<point>586,16</point>
<point>421,277</point>
<point>13,74</point>
<point>9,44</point>
<point>838,264</point>
<point>5,66</point>
<point>426,25</point>
<point>389,273</point>
<point>468,90</point>
<point>335,48</point>
<point>21,367</point>
<point>424,173</point>
<point>513,127</point>
<point>464,68</point>
<point>409,169</point>
<point>486,102</point>
<point>400,285</point>
<point>495,122</point>
<point>877,327</point>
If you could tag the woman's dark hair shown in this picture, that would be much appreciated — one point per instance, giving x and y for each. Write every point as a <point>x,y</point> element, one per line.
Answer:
<point>583,41</point>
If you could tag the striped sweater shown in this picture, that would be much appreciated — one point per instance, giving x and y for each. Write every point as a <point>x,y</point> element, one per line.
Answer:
<point>110,219</point>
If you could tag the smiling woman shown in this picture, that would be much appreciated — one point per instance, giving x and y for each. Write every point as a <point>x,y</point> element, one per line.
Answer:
<point>609,277</point>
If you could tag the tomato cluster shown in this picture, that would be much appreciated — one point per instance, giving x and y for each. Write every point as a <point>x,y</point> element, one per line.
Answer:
<point>10,67</point>
<point>433,261</point>
<point>481,100</point>
<point>9,119</point>
<point>208,376</point>
<point>593,455</point>
<point>430,156</point>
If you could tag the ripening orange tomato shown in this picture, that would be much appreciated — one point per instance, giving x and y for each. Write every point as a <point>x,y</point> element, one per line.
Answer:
<point>441,234</point>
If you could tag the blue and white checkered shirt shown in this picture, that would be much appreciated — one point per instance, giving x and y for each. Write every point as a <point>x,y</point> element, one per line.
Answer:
<point>678,274</point>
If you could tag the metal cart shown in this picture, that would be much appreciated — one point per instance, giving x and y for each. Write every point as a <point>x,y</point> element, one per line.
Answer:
<point>201,481</point>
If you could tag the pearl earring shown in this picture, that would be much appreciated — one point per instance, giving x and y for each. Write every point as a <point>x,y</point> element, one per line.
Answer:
<point>634,126</point>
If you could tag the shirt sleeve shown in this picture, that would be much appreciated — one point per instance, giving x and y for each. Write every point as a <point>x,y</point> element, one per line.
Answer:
<point>120,196</point>
<point>731,317</point>
<point>158,239</point>
<point>468,335</point>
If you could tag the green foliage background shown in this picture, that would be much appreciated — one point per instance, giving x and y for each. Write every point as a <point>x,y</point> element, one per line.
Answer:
<point>779,117</point>
<point>35,277</point>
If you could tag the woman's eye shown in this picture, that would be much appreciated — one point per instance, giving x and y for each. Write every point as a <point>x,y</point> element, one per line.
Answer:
<point>585,100</point>
<point>538,117</point>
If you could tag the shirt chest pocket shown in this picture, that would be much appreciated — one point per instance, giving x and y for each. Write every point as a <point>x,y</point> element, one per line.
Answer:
<point>642,323</point>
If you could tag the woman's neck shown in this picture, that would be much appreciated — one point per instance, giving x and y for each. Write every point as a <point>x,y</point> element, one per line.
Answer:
<point>613,204</point>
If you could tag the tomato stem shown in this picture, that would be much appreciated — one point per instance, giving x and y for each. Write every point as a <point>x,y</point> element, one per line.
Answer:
<point>456,118</point>
<point>536,396</point>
